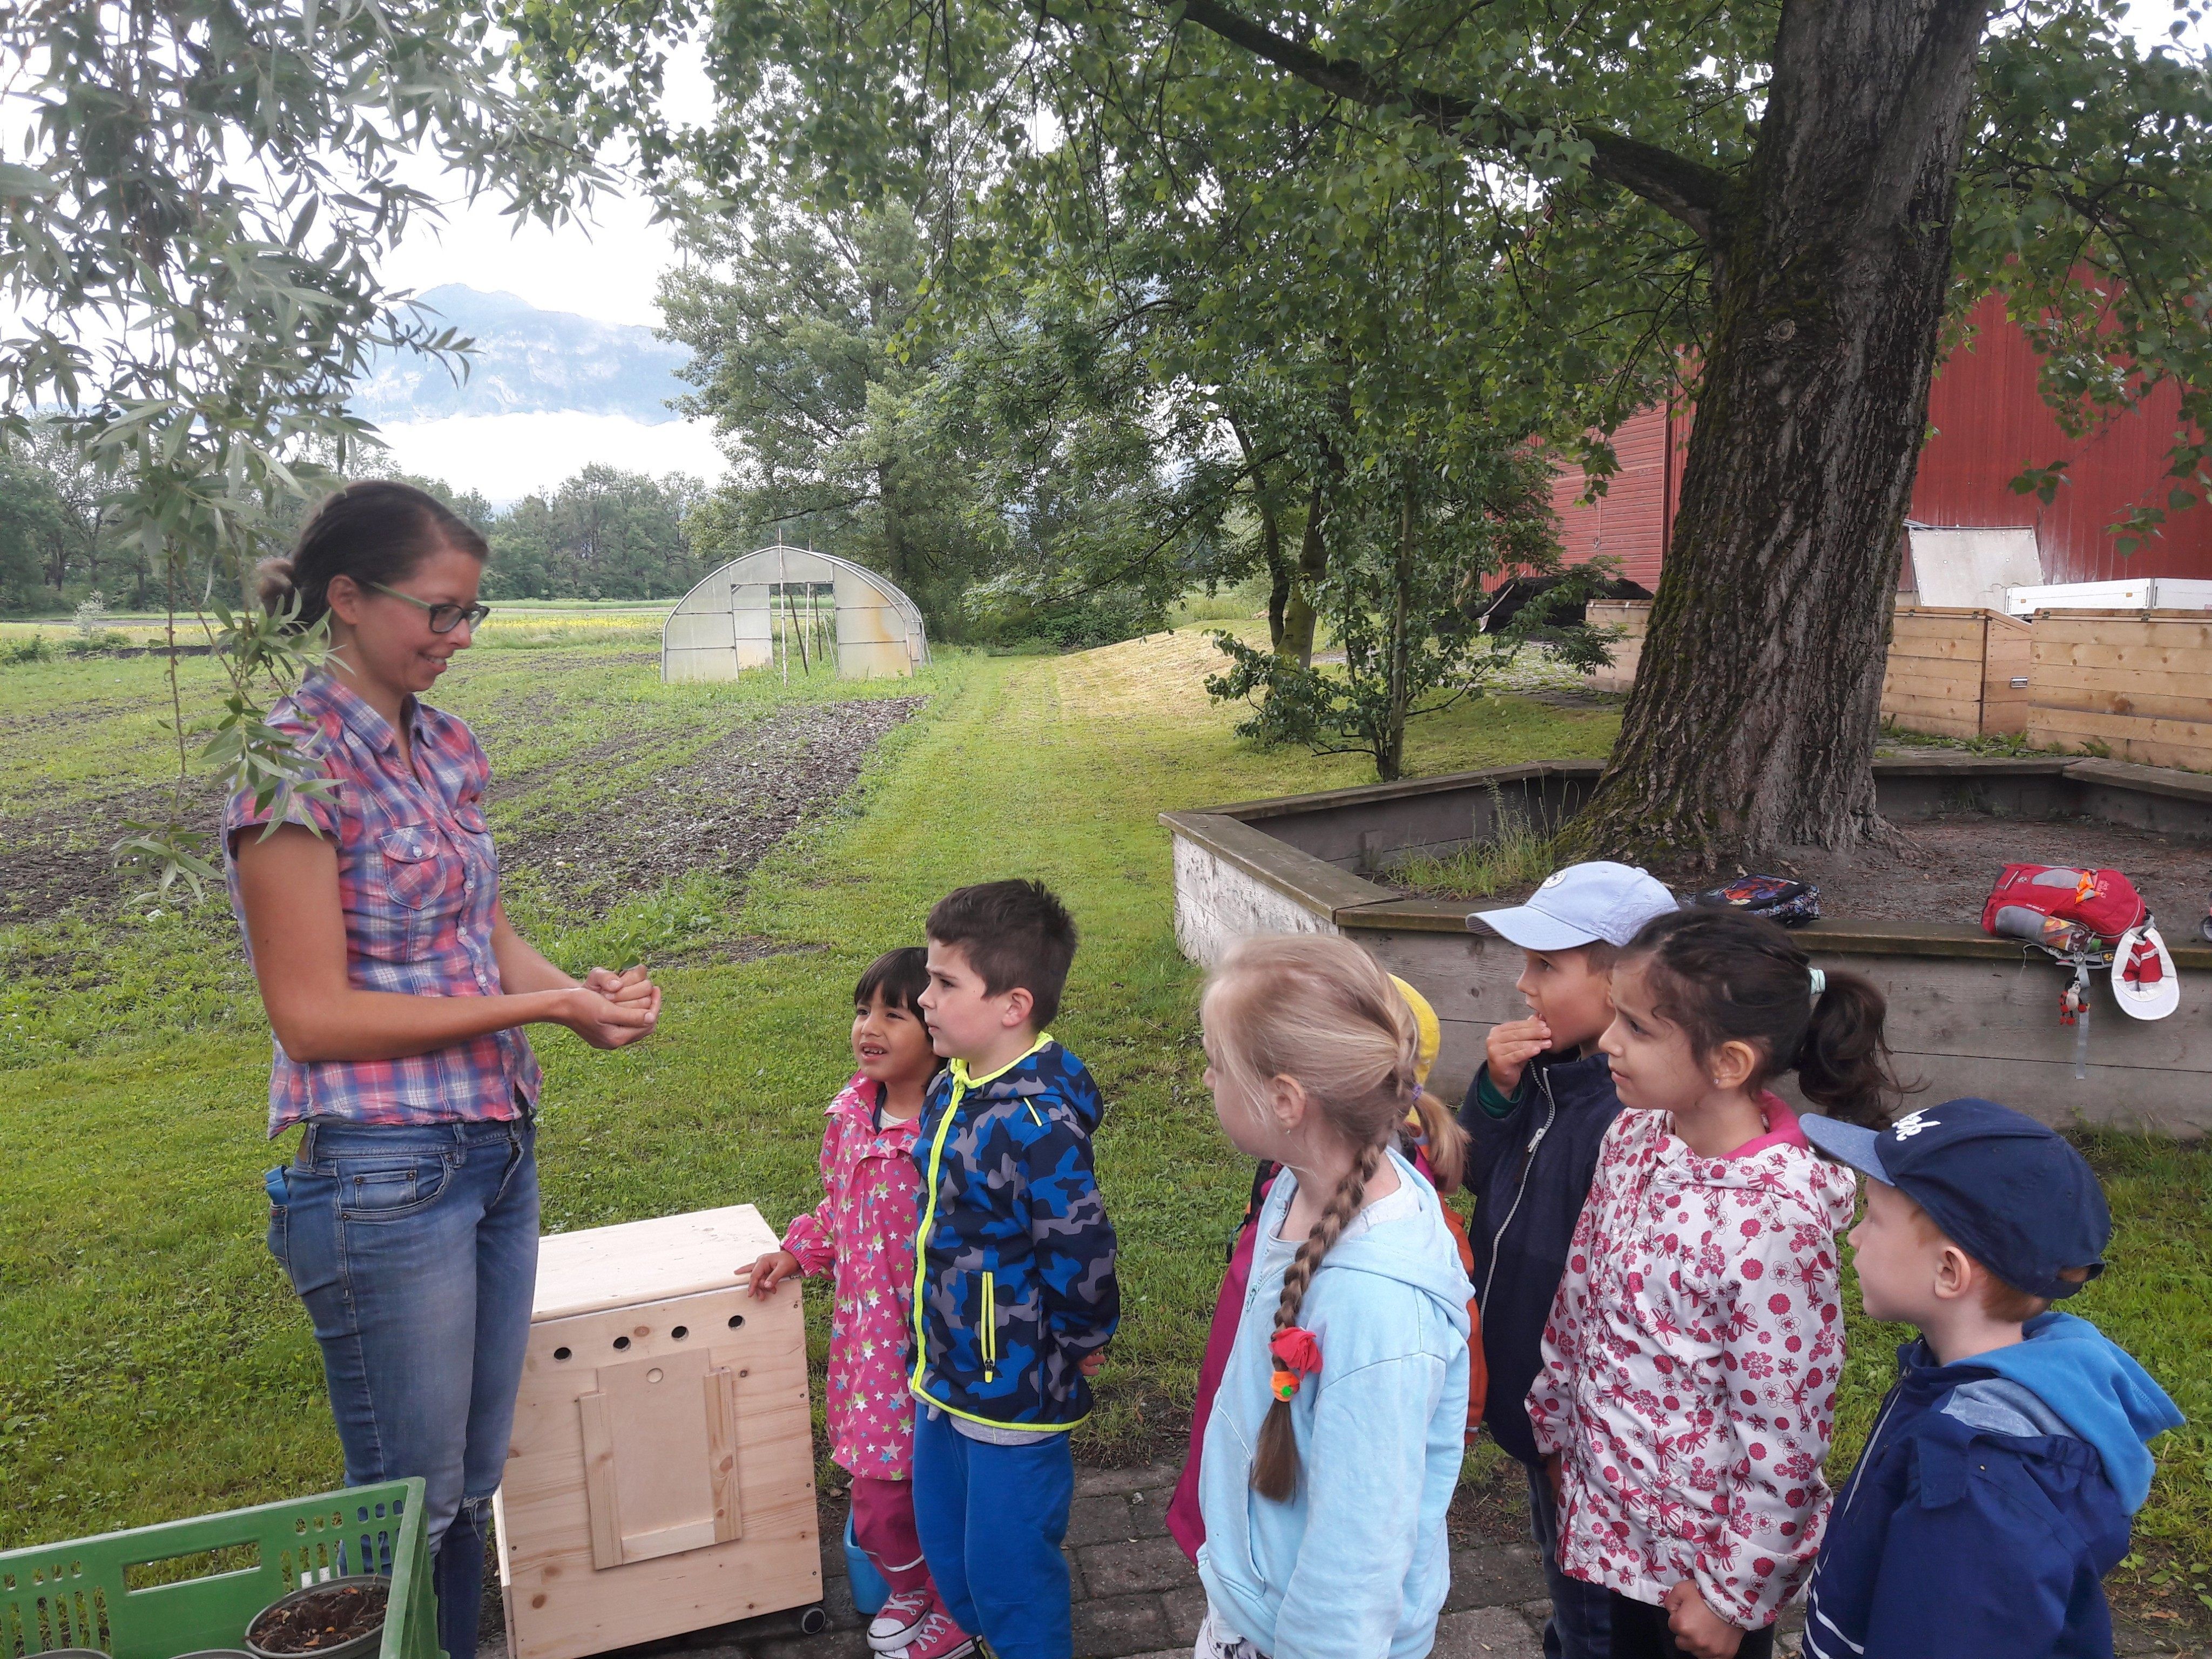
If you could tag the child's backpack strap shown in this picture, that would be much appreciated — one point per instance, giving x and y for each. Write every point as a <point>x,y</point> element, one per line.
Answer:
<point>1477,1368</point>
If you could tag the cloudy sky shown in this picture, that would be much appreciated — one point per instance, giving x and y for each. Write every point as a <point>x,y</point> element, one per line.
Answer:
<point>605,271</point>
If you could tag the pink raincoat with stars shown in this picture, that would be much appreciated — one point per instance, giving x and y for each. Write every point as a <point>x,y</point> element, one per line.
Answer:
<point>864,1230</point>
<point>1690,1367</point>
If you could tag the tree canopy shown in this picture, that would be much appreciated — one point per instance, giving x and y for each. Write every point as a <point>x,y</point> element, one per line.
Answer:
<point>1780,203</point>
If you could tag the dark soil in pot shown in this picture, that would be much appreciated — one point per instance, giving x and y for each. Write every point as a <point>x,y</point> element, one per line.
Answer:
<point>343,1617</point>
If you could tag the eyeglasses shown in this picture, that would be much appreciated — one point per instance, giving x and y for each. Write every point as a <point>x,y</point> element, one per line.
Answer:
<point>444,618</point>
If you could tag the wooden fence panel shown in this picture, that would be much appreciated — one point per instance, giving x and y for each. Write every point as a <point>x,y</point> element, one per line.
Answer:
<point>1952,672</point>
<point>2138,687</point>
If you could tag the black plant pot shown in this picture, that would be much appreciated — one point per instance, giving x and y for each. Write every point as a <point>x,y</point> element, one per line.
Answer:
<point>363,1646</point>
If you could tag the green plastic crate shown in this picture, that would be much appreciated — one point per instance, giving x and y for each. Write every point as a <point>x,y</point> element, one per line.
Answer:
<point>155,1592</point>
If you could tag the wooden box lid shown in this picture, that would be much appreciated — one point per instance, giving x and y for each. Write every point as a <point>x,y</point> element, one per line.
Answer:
<point>648,1261</point>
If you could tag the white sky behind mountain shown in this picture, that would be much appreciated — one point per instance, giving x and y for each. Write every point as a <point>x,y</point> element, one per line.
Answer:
<point>606,269</point>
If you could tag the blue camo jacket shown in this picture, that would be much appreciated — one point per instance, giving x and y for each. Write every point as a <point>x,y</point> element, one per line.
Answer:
<point>1014,1262</point>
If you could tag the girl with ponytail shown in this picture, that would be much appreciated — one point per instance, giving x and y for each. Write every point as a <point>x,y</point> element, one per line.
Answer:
<point>1341,1414</point>
<point>1690,1363</point>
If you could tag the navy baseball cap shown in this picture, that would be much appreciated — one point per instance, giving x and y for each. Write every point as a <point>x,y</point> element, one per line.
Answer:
<point>1581,905</point>
<point>2006,1189</point>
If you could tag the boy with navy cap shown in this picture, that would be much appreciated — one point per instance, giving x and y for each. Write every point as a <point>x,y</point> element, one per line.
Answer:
<point>1535,1117</point>
<point>1995,1489</point>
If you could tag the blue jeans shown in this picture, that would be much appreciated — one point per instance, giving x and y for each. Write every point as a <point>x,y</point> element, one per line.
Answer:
<point>415,1249</point>
<point>991,1520</point>
<point>1581,1625</point>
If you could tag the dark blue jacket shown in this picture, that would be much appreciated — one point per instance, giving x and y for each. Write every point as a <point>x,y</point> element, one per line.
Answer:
<point>1992,1499</point>
<point>1014,1280</point>
<point>1529,1172</point>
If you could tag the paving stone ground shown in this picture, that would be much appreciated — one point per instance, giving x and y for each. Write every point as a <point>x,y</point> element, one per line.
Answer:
<point>1137,1597</point>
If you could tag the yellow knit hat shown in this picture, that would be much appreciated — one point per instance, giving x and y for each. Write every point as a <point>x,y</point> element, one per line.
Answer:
<point>1424,1018</point>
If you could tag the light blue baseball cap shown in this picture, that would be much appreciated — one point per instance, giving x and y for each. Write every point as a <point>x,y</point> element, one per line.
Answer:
<point>1581,905</point>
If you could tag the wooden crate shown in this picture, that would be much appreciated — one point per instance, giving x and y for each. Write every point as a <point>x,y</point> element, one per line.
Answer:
<point>1955,673</point>
<point>2138,687</point>
<point>660,1479</point>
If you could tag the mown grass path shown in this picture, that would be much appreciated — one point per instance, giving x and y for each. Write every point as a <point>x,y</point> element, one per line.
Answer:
<point>155,1364</point>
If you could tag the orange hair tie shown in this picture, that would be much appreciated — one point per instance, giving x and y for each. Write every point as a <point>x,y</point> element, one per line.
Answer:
<point>1297,1353</point>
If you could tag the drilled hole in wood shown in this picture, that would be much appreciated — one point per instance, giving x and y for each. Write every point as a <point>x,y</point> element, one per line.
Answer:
<point>562,1353</point>
<point>621,1342</point>
<point>736,1321</point>
<point>681,1332</point>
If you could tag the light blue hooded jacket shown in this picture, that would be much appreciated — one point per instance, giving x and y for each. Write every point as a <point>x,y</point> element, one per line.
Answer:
<point>1381,1430</point>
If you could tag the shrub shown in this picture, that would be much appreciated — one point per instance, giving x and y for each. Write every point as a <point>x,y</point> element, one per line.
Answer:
<point>37,648</point>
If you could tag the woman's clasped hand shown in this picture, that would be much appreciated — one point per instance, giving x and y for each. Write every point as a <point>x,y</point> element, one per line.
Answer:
<point>609,1009</point>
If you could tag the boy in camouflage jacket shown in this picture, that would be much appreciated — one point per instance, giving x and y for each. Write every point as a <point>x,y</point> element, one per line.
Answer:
<point>1015,1297</point>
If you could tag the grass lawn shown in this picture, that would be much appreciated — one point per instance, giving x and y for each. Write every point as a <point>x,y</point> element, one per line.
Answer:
<point>156,1364</point>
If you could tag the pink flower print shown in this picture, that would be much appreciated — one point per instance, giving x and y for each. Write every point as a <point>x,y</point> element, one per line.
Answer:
<point>863,1232</point>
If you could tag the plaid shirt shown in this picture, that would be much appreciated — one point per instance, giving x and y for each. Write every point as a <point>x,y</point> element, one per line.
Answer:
<point>418,882</point>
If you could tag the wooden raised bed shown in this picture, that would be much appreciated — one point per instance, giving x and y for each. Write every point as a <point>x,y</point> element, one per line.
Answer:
<point>1957,673</point>
<point>1952,672</point>
<point>1632,616</point>
<point>1969,1014</point>
<point>2138,687</point>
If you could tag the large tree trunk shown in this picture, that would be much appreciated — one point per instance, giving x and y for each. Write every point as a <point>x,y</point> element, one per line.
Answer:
<point>1756,699</point>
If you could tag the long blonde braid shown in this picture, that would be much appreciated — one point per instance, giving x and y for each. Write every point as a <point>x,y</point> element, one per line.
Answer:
<point>1275,1459</point>
<point>1316,1009</point>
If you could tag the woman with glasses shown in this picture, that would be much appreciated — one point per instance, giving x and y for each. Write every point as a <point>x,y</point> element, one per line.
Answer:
<point>407,1219</point>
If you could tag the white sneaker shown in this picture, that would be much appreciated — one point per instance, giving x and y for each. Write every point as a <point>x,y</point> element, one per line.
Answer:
<point>938,1638</point>
<point>899,1621</point>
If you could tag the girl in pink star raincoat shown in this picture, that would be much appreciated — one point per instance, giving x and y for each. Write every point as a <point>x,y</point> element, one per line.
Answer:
<point>1690,1358</point>
<point>863,1233</point>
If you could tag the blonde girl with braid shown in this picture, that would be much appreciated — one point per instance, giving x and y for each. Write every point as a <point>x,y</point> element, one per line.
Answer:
<point>1341,1416</point>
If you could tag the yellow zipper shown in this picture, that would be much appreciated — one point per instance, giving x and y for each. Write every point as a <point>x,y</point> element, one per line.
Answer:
<point>929,1220</point>
<point>990,1325</point>
<point>961,1083</point>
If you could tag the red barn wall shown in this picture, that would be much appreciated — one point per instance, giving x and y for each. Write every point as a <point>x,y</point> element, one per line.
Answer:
<point>1632,521</point>
<point>1989,424</point>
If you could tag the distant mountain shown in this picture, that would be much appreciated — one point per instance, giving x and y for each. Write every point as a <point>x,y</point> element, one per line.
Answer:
<point>527,362</point>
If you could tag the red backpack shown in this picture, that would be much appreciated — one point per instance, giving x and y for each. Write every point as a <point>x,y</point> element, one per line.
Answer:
<point>2048,902</point>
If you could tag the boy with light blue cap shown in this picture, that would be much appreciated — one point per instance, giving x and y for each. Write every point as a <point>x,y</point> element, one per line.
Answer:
<point>1535,1115</point>
<point>1996,1488</point>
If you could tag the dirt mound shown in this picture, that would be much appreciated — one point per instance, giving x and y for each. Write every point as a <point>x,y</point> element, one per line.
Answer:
<point>1942,869</point>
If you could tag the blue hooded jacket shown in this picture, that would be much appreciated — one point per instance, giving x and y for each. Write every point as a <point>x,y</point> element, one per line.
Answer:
<point>1014,1280</point>
<point>1529,1172</point>
<point>1992,1498</point>
<point>1355,1563</point>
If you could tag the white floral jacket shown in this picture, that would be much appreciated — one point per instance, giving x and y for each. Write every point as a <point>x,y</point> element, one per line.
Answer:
<point>1690,1367</point>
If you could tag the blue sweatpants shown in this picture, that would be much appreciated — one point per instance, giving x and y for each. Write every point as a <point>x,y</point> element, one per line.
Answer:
<point>991,1520</point>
